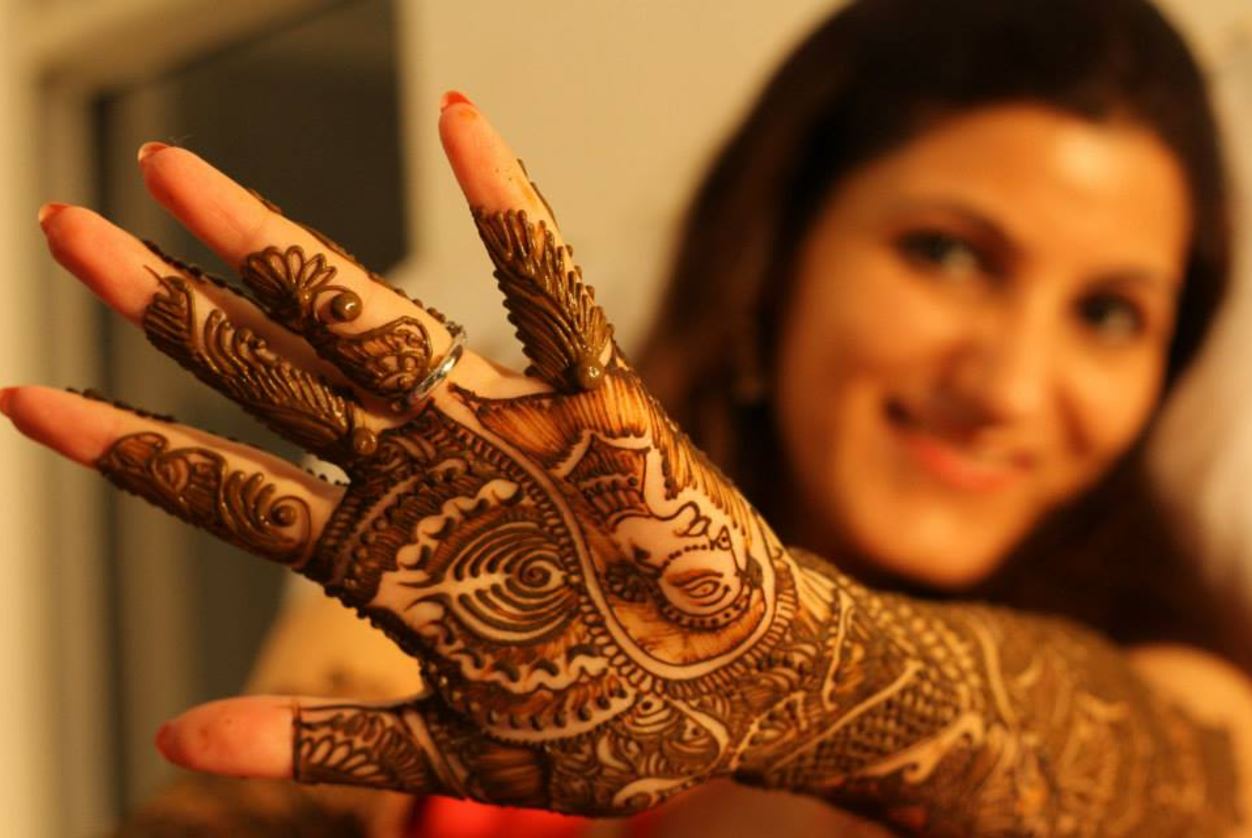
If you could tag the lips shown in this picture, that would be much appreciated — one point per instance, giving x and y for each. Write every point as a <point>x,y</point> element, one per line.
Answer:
<point>957,463</point>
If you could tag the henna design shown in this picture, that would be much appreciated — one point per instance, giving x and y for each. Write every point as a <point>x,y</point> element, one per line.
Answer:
<point>291,285</point>
<point>197,485</point>
<point>581,584</point>
<point>391,360</point>
<point>357,746</point>
<point>416,746</point>
<point>967,719</point>
<point>604,621</point>
<point>299,291</point>
<point>238,363</point>
<point>500,574</point>
<point>563,331</point>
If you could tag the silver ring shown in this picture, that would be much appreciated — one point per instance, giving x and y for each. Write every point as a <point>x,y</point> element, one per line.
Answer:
<point>436,376</point>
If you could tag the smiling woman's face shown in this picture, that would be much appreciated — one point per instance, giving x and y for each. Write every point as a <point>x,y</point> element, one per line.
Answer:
<point>979,328</point>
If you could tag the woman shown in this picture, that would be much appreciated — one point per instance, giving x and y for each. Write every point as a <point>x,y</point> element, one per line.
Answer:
<point>950,322</point>
<point>763,197</point>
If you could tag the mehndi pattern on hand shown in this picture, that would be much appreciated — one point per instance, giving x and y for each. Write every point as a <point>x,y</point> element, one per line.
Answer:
<point>197,485</point>
<point>602,619</point>
<point>299,291</point>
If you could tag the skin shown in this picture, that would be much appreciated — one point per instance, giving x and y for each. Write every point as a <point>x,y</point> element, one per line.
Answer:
<point>252,737</point>
<point>1025,346</point>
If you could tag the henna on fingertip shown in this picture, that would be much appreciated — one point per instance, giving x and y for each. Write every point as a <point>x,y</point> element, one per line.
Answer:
<point>298,405</point>
<point>388,361</point>
<point>563,331</point>
<point>198,485</point>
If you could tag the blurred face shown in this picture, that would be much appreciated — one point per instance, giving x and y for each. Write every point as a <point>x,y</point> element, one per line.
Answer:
<point>978,328</point>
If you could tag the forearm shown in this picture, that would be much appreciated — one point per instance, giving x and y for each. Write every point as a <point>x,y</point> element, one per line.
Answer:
<point>969,719</point>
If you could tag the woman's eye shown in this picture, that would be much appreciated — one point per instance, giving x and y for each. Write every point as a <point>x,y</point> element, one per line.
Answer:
<point>1111,317</point>
<point>936,250</point>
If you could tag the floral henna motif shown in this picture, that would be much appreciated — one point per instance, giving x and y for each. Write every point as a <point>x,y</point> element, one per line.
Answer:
<point>238,363</point>
<point>300,292</point>
<point>292,286</point>
<point>197,485</point>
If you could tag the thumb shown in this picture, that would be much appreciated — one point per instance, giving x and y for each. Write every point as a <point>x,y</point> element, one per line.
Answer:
<point>416,746</point>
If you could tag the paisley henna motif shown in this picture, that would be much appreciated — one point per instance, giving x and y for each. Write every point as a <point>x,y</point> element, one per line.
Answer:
<point>197,485</point>
<point>389,361</point>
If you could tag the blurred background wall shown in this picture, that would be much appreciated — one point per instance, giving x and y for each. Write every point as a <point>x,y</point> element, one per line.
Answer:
<point>115,618</point>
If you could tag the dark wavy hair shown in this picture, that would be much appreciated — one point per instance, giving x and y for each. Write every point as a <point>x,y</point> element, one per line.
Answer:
<point>875,75</point>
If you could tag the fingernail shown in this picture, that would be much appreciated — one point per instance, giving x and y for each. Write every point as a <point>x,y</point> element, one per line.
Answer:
<point>148,149</point>
<point>453,97</point>
<point>48,210</point>
<point>6,398</point>
<point>164,740</point>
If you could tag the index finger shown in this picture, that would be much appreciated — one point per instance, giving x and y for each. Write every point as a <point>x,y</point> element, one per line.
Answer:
<point>562,329</point>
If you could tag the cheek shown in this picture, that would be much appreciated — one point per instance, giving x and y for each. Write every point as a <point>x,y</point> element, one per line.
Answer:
<point>849,344</point>
<point>1105,408</point>
<point>834,350</point>
<point>868,326</point>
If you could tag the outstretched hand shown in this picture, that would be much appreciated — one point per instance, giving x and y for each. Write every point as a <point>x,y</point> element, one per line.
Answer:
<point>583,592</point>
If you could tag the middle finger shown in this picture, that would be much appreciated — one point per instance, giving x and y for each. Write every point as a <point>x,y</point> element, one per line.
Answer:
<point>384,342</point>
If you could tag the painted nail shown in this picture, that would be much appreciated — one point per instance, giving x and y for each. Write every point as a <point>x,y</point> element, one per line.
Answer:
<point>6,398</point>
<point>148,149</point>
<point>454,97</point>
<point>48,210</point>
<point>164,740</point>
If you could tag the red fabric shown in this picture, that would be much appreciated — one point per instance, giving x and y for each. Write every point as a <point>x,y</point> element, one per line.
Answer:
<point>444,817</point>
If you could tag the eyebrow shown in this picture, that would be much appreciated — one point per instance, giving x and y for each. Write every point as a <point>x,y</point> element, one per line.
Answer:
<point>1137,276</point>
<point>984,225</point>
<point>1004,241</point>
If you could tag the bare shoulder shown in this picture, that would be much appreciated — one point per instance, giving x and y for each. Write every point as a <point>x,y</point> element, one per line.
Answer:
<point>1213,692</point>
<point>1209,687</point>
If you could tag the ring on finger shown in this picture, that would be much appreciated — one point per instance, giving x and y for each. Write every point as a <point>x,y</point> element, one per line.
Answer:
<point>439,372</point>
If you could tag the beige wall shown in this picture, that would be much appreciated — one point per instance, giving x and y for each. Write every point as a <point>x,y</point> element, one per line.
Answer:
<point>26,789</point>
<point>615,108</point>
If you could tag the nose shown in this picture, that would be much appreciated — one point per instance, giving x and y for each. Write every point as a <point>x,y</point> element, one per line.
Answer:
<point>1002,368</point>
